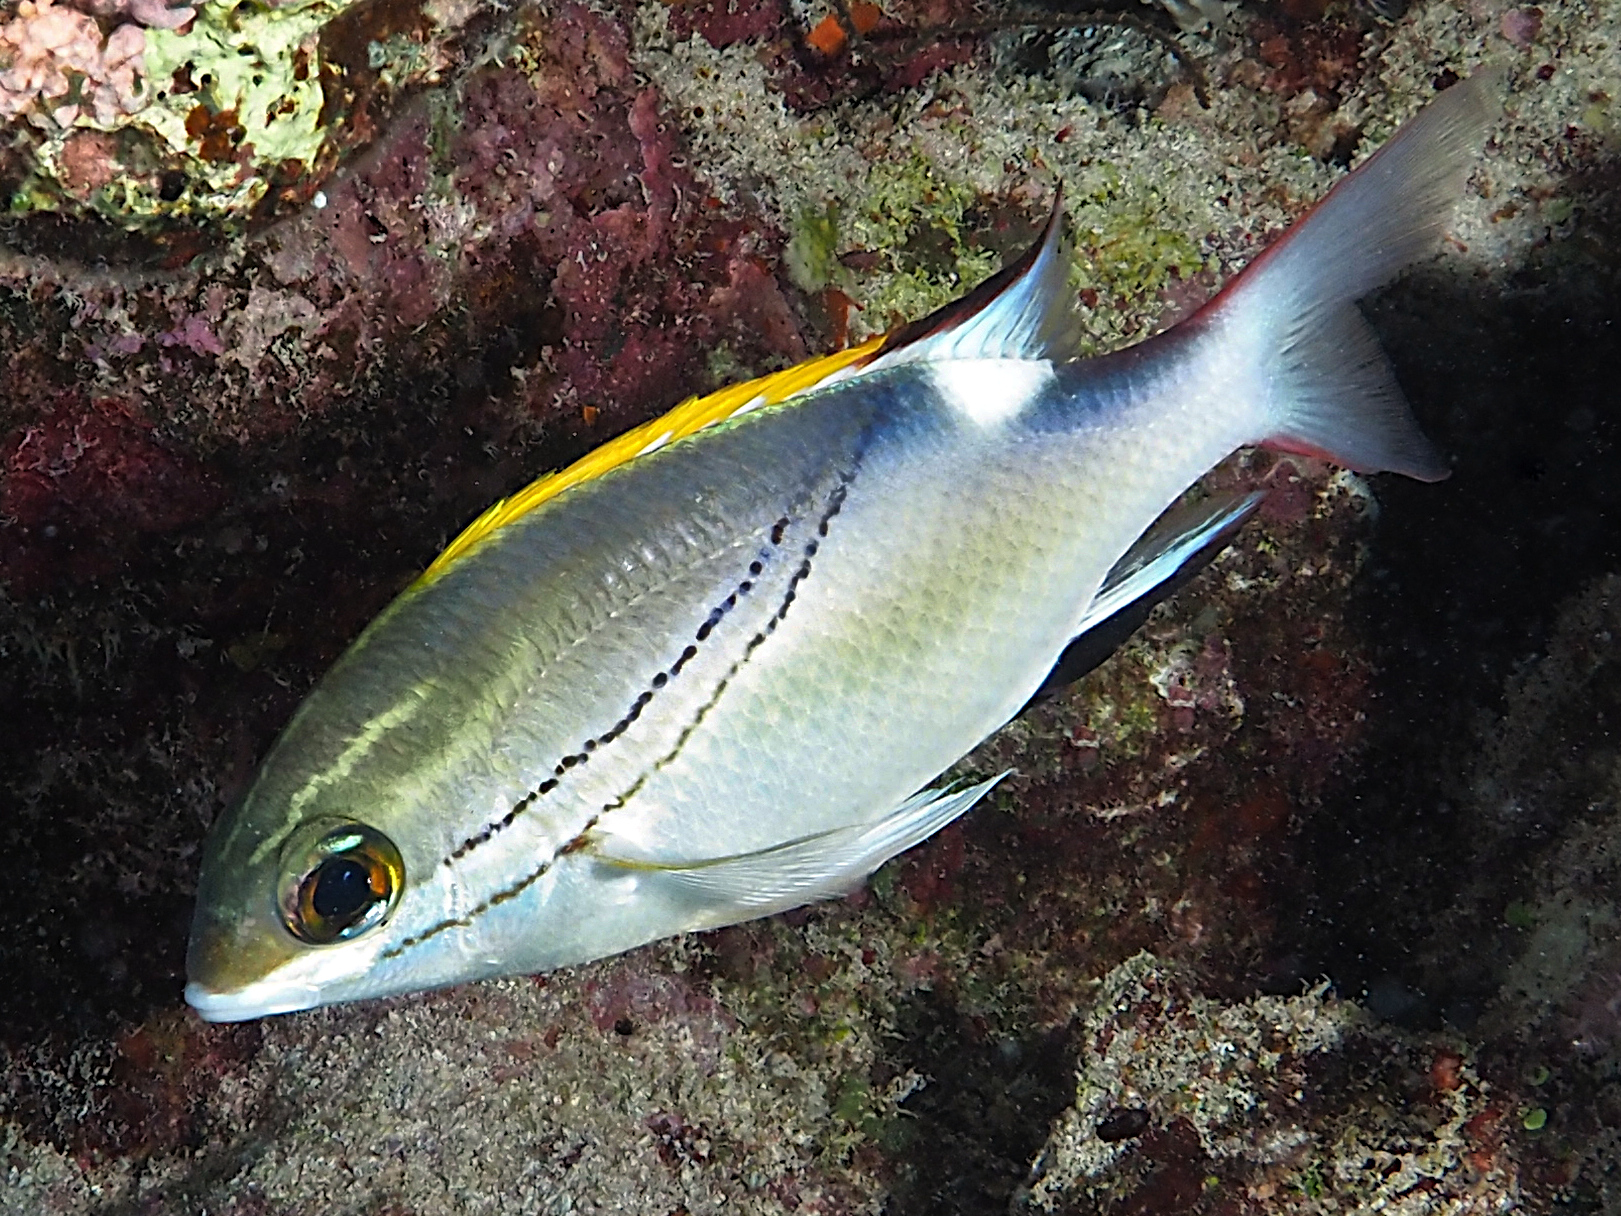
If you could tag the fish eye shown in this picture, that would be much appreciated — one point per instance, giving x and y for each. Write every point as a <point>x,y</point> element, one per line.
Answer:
<point>339,879</point>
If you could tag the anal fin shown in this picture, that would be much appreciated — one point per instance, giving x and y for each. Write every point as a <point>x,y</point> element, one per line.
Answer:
<point>1181,542</point>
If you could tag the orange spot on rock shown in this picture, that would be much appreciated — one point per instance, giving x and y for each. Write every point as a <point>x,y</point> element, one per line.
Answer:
<point>838,311</point>
<point>865,17</point>
<point>218,134</point>
<point>1446,1071</point>
<point>827,37</point>
<point>1484,1133</point>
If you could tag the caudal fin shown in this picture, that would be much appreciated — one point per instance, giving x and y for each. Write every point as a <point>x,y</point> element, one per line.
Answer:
<point>1329,388</point>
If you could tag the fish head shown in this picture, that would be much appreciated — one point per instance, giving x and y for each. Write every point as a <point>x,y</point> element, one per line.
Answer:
<point>321,886</point>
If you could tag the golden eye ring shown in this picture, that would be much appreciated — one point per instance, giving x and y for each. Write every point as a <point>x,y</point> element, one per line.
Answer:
<point>339,880</point>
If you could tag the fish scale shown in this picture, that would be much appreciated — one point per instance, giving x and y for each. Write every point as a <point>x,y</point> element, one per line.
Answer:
<point>709,671</point>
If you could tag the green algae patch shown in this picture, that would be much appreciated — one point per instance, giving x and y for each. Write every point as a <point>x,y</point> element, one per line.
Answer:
<point>232,106</point>
<point>917,219</point>
<point>241,90</point>
<point>908,225</point>
<point>1127,247</point>
<point>813,248</point>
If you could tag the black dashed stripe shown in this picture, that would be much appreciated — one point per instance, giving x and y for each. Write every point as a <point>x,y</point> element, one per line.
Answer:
<point>778,530</point>
<point>466,922</point>
<point>659,681</point>
<point>835,504</point>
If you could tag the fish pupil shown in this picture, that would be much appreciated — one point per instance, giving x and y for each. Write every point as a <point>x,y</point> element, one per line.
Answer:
<point>342,890</point>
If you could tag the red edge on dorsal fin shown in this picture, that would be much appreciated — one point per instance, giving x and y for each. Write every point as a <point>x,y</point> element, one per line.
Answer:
<point>949,316</point>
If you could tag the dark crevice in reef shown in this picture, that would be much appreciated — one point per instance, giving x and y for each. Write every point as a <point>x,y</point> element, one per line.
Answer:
<point>967,1138</point>
<point>1463,585</point>
<point>146,673</point>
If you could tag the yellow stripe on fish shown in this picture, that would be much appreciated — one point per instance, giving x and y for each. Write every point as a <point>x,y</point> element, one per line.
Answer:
<point>691,416</point>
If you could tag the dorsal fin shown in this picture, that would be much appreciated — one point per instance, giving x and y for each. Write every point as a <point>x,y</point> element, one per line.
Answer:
<point>1021,312</point>
<point>691,416</point>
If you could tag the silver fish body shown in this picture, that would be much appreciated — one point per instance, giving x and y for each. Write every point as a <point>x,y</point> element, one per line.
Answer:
<point>708,683</point>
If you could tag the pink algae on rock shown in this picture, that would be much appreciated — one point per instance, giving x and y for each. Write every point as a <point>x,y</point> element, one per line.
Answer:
<point>154,14</point>
<point>1522,26</point>
<point>725,22</point>
<point>44,47</point>
<point>517,268</point>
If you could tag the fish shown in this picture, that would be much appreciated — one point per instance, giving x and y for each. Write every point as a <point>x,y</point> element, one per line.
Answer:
<point>714,670</point>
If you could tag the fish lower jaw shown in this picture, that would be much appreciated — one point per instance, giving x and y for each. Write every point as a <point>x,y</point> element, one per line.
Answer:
<point>255,1001</point>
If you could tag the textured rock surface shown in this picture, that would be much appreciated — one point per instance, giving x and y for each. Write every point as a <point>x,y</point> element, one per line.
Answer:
<point>1371,745</point>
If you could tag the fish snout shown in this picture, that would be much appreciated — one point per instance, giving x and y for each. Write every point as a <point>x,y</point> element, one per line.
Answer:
<point>232,966</point>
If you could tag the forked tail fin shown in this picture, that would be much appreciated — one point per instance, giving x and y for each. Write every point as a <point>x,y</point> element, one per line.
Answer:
<point>1329,389</point>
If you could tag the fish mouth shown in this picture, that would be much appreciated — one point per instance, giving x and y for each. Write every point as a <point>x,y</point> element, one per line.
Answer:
<point>237,971</point>
<point>255,1001</point>
<point>241,969</point>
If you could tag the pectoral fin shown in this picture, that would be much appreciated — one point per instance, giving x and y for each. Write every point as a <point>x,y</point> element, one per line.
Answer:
<point>801,871</point>
<point>1181,543</point>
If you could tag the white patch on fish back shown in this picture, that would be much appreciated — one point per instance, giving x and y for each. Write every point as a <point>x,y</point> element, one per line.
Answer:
<point>991,391</point>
